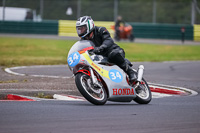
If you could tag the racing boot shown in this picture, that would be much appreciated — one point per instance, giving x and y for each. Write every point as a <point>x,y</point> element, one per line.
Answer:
<point>129,71</point>
<point>131,74</point>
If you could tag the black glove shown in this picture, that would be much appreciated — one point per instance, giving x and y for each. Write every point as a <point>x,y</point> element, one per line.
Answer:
<point>99,50</point>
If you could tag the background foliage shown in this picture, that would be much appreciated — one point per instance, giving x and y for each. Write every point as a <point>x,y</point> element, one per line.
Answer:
<point>168,11</point>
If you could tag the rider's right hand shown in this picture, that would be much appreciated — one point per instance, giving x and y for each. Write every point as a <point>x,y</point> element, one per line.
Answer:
<point>99,50</point>
<point>91,51</point>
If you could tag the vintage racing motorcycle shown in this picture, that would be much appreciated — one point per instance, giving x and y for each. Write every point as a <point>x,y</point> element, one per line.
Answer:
<point>98,80</point>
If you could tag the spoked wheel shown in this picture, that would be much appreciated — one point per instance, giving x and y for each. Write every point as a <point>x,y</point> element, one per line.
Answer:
<point>95,95</point>
<point>143,93</point>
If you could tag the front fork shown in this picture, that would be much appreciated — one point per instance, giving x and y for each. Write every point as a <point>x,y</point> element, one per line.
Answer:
<point>94,78</point>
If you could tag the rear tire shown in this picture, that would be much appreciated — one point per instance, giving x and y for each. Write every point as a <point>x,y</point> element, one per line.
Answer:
<point>93,95</point>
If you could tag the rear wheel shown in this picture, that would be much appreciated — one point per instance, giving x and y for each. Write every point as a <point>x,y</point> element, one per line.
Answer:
<point>95,95</point>
<point>143,93</point>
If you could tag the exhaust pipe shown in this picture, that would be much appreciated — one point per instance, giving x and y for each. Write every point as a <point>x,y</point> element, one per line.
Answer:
<point>140,73</point>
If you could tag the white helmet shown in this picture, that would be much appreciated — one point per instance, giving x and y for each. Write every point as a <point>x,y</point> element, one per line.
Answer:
<point>84,26</point>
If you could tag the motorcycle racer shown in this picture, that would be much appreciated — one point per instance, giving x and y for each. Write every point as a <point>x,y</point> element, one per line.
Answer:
<point>104,44</point>
<point>117,25</point>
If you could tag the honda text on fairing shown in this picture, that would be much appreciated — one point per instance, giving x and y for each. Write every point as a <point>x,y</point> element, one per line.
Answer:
<point>99,81</point>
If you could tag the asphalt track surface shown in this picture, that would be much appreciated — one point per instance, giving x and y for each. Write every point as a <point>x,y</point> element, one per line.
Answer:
<point>166,115</point>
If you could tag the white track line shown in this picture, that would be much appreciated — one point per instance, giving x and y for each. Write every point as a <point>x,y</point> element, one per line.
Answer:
<point>9,70</point>
<point>68,97</point>
<point>169,87</point>
<point>155,95</point>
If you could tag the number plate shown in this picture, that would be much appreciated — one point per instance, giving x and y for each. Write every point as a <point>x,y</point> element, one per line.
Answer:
<point>115,75</point>
<point>73,59</point>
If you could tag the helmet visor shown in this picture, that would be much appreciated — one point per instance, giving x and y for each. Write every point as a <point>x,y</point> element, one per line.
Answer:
<point>81,30</point>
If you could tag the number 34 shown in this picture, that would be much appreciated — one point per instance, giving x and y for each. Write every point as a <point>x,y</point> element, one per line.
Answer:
<point>115,75</point>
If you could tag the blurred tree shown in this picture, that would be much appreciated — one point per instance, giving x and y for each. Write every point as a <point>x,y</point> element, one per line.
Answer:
<point>98,9</point>
<point>168,11</point>
<point>137,11</point>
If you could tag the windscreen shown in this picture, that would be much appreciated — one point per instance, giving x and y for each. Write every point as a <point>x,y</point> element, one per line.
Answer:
<point>80,45</point>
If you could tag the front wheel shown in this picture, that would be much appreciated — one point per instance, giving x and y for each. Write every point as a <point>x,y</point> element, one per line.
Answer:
<point>97,96</point>
<point>143,93</point>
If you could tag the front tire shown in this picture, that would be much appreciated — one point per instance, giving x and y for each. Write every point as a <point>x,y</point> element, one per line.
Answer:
<point>143,93</point>
<point>97,96</point>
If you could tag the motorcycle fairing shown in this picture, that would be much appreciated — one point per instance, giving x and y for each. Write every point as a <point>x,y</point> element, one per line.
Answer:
<point>99,69</point>
<point>106,73</point>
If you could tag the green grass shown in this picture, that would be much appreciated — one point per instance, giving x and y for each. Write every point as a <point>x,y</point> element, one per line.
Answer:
<point>26,51</point>
<point>155,52</point>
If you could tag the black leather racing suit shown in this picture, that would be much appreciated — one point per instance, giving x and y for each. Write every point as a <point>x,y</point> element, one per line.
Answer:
<point>111,50</point>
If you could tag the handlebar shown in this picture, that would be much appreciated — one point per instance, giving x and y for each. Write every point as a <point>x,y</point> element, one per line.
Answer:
<point>91,51</point>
